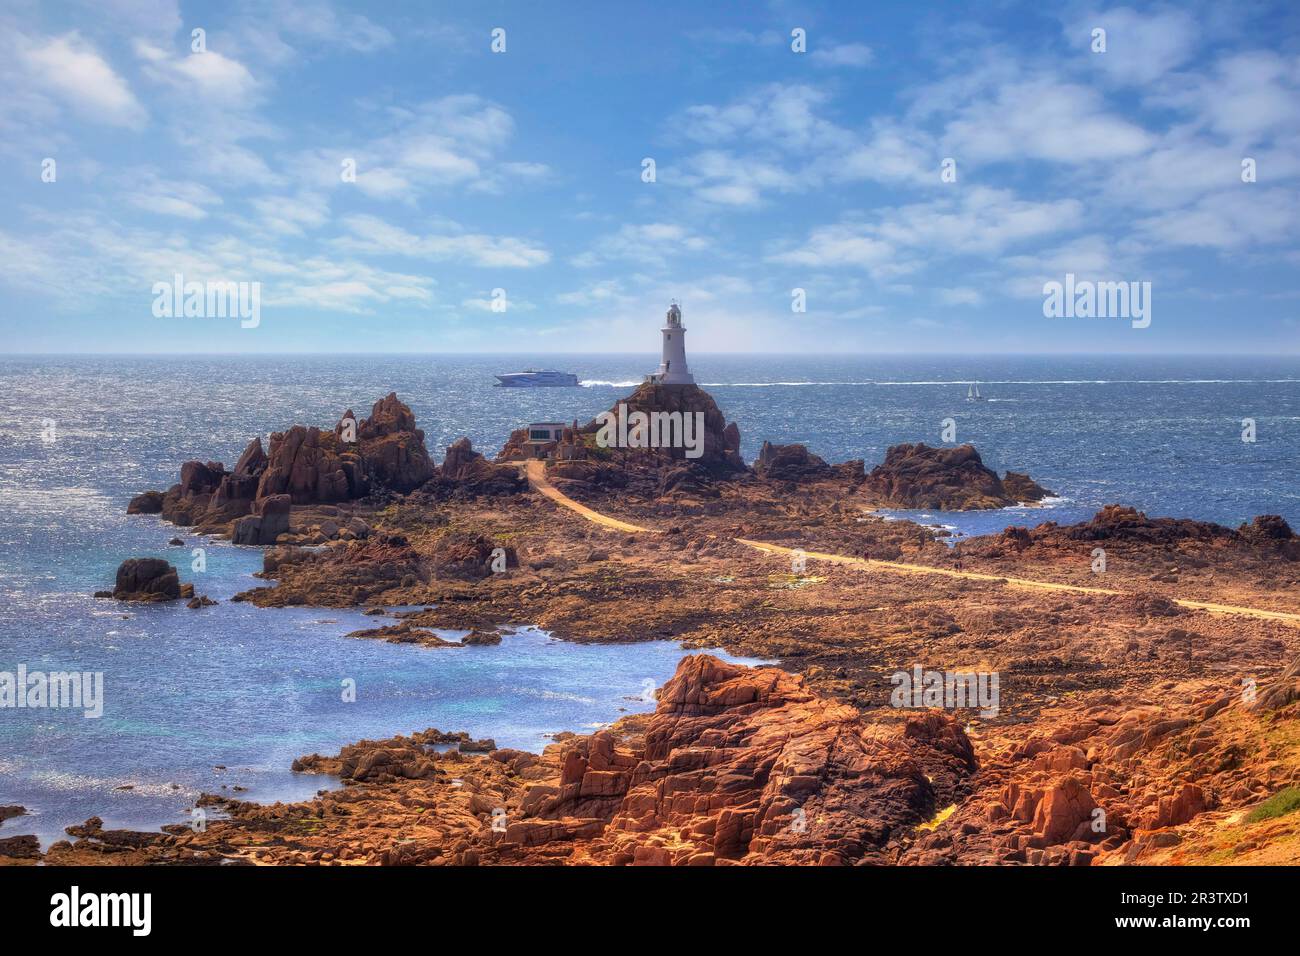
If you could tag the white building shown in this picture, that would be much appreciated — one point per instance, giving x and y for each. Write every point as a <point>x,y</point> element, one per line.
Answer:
<point>673,370</point>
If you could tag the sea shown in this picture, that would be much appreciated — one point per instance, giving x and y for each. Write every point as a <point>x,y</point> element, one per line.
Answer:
<point>226,697</point>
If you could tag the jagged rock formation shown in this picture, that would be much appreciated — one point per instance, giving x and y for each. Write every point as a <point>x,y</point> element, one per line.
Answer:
<point>582,460</point>
<point>392,448</point>
<point>1022,488</point>
<point>1280,692</point>
<point>304,466</point>
<point>314,467</point>
<point>949,479</point>
<point>466,470</point>
<point>740,765</point>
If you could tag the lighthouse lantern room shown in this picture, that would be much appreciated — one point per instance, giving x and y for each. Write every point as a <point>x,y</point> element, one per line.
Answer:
<point>673,370</point>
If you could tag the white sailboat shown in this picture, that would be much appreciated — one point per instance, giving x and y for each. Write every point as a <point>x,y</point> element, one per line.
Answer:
<point>973,393</point>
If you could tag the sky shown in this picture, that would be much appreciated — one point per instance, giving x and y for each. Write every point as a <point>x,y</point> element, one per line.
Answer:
<point>546,177</point>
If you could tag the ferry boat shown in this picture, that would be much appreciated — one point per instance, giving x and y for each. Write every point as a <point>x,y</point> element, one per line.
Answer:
<point>535,378</point>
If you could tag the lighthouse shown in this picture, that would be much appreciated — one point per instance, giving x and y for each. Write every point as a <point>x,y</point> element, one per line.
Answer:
<point>673,370</point>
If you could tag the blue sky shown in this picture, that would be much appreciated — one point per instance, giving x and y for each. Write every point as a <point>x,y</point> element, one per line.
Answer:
<point>774,170</point>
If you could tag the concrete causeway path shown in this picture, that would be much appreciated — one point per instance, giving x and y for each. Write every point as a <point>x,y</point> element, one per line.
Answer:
<point>536,471</point>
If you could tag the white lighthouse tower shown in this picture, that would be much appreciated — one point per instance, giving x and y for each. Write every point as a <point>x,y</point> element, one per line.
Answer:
<point>673,370</point>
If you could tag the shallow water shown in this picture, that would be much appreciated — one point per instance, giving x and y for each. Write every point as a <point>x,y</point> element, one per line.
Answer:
<point>252,688</point>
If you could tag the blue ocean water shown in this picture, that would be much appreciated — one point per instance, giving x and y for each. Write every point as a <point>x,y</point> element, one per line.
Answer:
<point>252,688</point>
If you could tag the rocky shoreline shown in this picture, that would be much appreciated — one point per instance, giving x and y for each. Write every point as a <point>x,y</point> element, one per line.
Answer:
<point>1176,723</point>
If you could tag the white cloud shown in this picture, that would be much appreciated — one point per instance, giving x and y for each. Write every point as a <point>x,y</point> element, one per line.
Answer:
<point>292,215</point>
<point>1245,215</point>
<point>210,75</point>
<point>454,142</point>
<point>1091,257</point>
<point>843,55</point>
<point>728,179</point>
<point>319,23</point>
<point>1140,47</point>
<point>72,70</point>
<point>186,200</point>
<point>649,245</point>
<point>488,304</point>
<point>593,293</point>
<point>780,114</point>
<point>1042,118</point>
<point>890,153</point>
<point>370,234</point>
<point>961,295</point>
<point>977,221</point>
<point>81,257</point>
<point>1249,95</point>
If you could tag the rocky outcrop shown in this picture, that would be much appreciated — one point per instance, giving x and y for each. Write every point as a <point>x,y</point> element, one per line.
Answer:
<point>269,520</point>
<point>236,491</point>
<point>738,765</point>
<point>948,479</point>
<point>468,556</point>
<point>25,847</point>
<point>1280,692</point>
<point>1271,533</point>
<point>147,579</point>
<point>1267,539</point>
<point>311,466</point>
<point>304,465</point>
<point>392,760</point>
<point>790,463</point>
<point>392,448</point>
<point>349,573</point>
<point>147,503</point>
<point>1119,523</point>
<point>465,470</point>
<point>720,455</point>
<point>1022,488</point>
